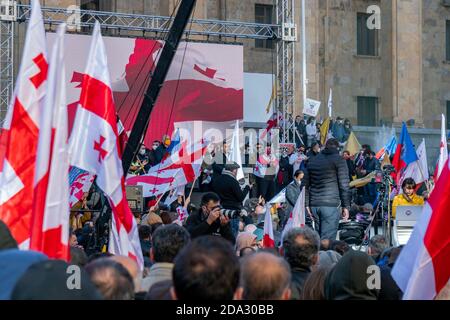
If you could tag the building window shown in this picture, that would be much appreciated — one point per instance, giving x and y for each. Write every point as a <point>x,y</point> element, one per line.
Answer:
<point>367,111</point>
<point>264,14</point>
<point>447,40</point>
<point>367,39</point>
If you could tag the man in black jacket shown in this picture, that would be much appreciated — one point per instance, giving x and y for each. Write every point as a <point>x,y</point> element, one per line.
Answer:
<point>230,193</point>
<point>301,250</point>
<point>327,189</point>
<point>209,219</point>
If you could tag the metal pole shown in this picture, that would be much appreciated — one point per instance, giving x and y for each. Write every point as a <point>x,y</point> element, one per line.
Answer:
<point>304,80</point>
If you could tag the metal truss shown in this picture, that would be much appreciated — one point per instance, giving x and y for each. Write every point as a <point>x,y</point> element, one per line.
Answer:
<point>6,66</point>
<point>286,69</point>
<point>284,32</point>
<point>156,24</point>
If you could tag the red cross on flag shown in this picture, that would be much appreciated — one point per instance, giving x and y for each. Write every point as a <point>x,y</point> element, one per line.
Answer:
<point>50,219</point>
<point>182,167</point>
<point>95,147</point>
<point>19,137</point>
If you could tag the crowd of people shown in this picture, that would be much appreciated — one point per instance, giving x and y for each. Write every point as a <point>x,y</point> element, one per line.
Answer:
<point>214,250</point>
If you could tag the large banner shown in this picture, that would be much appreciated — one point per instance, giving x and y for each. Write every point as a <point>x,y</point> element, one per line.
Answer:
<point>204,83</point>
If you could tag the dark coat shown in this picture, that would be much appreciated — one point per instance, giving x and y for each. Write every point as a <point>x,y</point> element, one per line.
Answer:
<point>371,164</point>
<point>292,193</point>
<point>327,180</point>
<point>197,226</point>
<point>299,276</point>
<point>229,191</point>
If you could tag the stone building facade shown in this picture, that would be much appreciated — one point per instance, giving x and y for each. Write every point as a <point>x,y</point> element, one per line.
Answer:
<point>405,77</point>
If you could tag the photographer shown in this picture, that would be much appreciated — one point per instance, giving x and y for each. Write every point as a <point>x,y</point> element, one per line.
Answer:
<point>210,220</point>
<point>230,193</point>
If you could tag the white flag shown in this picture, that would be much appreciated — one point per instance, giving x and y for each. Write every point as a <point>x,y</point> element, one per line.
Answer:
<point>418,170</point>
<point>297,218</point>
<point>330,104</point>
<point>443,149</point>
<point>236,151</point>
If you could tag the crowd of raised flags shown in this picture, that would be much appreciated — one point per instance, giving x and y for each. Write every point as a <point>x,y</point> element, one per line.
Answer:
<point>41,183</point>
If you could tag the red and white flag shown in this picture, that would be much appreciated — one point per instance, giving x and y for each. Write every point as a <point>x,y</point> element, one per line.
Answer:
<point>50,219</point>
<point>297,218</point>
<point>19,137</point>
<point>422,269</point>
<point>443,151</point>
<point>182,167</point>
<point>95,147</point>
<point>268,239</point>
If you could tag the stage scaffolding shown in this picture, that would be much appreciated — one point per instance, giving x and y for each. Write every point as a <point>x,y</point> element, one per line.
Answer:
<point>284,33</point>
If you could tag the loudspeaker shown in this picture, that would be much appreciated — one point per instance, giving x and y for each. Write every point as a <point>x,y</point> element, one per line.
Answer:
<point>135,198</point>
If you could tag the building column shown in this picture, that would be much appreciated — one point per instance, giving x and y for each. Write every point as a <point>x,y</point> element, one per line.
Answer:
<point>407,61</point>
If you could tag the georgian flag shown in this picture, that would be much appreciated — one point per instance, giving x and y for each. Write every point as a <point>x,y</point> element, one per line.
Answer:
<point>95,147</point>
<point>20,134</point>
<point>50,219</point>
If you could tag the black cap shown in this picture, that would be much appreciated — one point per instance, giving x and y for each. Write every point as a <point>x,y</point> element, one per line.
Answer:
<point>232,166</point>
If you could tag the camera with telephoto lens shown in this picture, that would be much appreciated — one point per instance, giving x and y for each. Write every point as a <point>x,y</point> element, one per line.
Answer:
<point>232,214</point>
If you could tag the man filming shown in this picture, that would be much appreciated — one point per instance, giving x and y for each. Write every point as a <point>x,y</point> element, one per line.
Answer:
<point>210,219</point>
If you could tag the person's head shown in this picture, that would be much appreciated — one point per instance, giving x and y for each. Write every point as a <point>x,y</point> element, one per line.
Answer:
<point>111,278</point>
<point>73,241</point>
<point>301,247</point>
<point>78,256</point>
<point>298,175</point>
<point>346,155</point>
<point>233,168</point>
<point>310,120</point>
<point>371,154</point>
<point>53,280</point>
<point>166,217</point>
<point>206,269</point>
<point>339,246</point>
<point>301,149</point>
<point>347,123</point>
<point>409,186</point>
<point>315,147</point>
<point>209,201</point>
<point>328,258</point>
<point>365,147</point>
<point>245,240</point>
<point>264,276</point>
<point>133,269</point>
<point>332,144</point>
<point>156,144</point>
<point>349,278</point>
<point>145,232</point>
<point>167,242</point>
<point>225,147</point>
<point>7,241</point>
<point>142,150</point>
<point>314,287</point>
<point>325,244</point>
<point>377,244</point>
<point>298,119</point>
